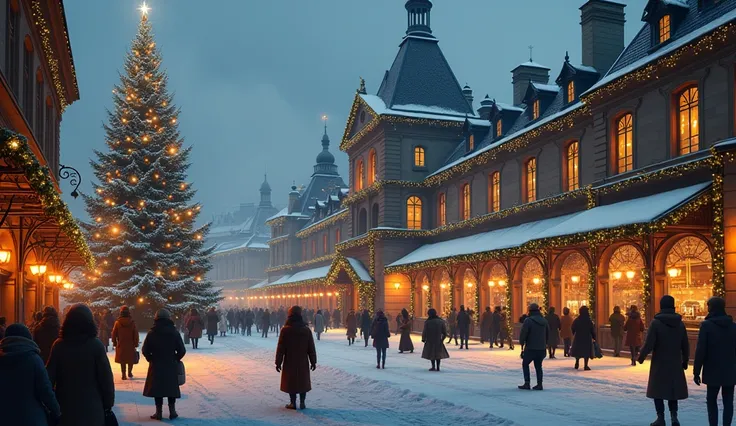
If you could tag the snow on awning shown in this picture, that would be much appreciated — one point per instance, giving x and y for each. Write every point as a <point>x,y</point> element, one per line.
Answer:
<point>631,212</point>
<point>306,275</point>
<point>360,270</point>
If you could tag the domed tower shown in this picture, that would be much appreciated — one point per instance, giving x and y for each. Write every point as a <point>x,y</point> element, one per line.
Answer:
<point>325,160</point>
<point>418,18</point>
<point>265,192</point>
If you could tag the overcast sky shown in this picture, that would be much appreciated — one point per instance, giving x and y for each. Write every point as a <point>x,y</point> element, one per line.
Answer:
<point>253,77</point>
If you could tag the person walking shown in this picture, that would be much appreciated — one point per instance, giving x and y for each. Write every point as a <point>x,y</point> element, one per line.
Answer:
<point>265,323</point>
<point>616,321</point>
<point>566,330</point>
<point>183,324</point>
<point>212,320</point>
<point>553,322</point>
<point>281,319</point>
<point>534,338</point>
<point>405,343</point>
<point>46,332</point>
<point>26,395</point>
<point>249,320</point>
<point>463,326</point>
<point>452,324</point>
<point>365,326</point>
<point>634,328</point>
<point>380,334</point>
<point>326,316</point>
<point>231,319</point>
<point>163,349</point>
<point>195,326</point>
<point>495,327</point>
<point>667,341</point>
<point>295,357</point>
<point>715,356</point>
<point>80,372</point>
<point>319,324</point>
<point>352,324</point>
<point>125,340</point>
<point>433,337</point>
<point>584,332</point>
<point>485,325</point>
<point>222,325</point>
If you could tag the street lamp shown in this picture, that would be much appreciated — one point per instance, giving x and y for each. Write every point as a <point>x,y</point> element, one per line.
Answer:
<point>38,269</point>
<point>55,279</point>
<point>4,256</point>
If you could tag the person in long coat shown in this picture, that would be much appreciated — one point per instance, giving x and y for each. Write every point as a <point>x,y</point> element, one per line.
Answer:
<point>319,324</point>
<point>584,332</point>
<point>715,356</point>
<point>380,334</point>
<point>163,349</point>
<point>195,326</point>
<point>47,331</point>
<point>405,344</point>
<point>325,316</point>
<point>365,325</point>
<point>463,326</point>
<point>232,320</point>
<point>250,318</point>
<point>80,372</point>
<point>452,323</point>
<point>265,323</point>
<point>553,321</point>
<point>212,320</point>
<point>125,339</point>
<point>634,328</point>
<point>534,338</point>
<point>496,321</point>
<point>183,326</point>
<point>485,325</point>
<point>433,337</point>
<point>222,325</point>
<point>616,321</point>
<point>352,324</point>
<point>506,325</point>
<point>398,323</point>
<point>667,341</point>
<point>566,330</point>
<point>295,357</point>
<point>26,395</point>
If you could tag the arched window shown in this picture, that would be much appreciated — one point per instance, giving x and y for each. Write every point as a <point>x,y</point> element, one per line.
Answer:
<point>359,175</point>
<point>689,278</point>
<point>530,179</point>
<point>624,279</point>
<point>570,91</point>
<point>414,213</point>
<point>535,110</point>
<point>497,286</point>
<point>372,167</point>
<point>469,283</point>
<point>442,210</point>
<point>625,143</point>
<point>664,28</point>
<point>574,280</point>
<point>532,280</point>
<point>419,156</point>
<point>494,192</point>
<point>499,128</point>
<point>471,142</point>
<point>465,202</point>
<point>689,136</point>
<point>573,159</point>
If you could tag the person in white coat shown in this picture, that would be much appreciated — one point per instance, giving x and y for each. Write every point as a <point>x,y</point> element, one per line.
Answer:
<point>319,324</point>
<point>222,324</point>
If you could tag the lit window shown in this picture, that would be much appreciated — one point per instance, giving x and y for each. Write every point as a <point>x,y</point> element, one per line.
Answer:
<point>304,250</point>
<point>418,156</point>
<point>337,235</point>
<point>494,192</point>
<point>465,205</point>
<point>688,138</point>
<point>573,177</point>
<point>359,173</point>
<point>442,213</point>
<point>314,248</point>
<point>325,246</point>
<point>625,143</point>
<point>499,128</point>
<point>471,142</point>
<point>531,180</point>
<point>535,110</point>
<point>570,91</point>
<point>414,213</point>
<point>664,28</point>
<point>372,167</point>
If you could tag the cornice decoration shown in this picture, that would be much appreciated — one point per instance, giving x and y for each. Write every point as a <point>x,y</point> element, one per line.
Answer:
<point>324,223</point>
<point>48,50</point>
<point>301,264</point>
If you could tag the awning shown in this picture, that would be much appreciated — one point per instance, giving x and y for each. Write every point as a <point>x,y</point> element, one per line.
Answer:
<point>353,267</point>
<point>306,275</point>
<point>631,212</point>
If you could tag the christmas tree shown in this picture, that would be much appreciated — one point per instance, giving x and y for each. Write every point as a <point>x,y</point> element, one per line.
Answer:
<point>148,250</point>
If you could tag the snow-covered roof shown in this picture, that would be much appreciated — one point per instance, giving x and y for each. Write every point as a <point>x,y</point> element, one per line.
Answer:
<point>285,213</point>
<point>259,285</point>
<point>532,64</point>
<point>508,107</point>
<point>635,211</point>
<point>306,275</point>
<point>546,87</point>
<point>679,3</point>
<point>418,111</point>
<point>359,269</point>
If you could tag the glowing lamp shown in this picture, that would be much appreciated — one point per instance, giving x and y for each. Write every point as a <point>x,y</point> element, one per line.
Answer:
<point>491,283</point>
<point>314,294</point>
<point>337,294</point>
<point>470,285</point>
<point>38,269</point>
<point>535,280</point>
<point>502,283</point>
<point>617,275</point>
<point>630,274</point>
<point>329,294</point>
<point>397,286</point>
<point>321,294</point>
<point>4,256</point>
<point>674,272</point>
<point>443,286</point>
<point>425,287</point>
<point>140,300</point>
<point>575,278</point>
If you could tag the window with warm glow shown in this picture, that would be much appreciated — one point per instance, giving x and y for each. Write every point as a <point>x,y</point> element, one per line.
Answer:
<point>688,137</point>
<point>314,248</point>
<point>359,175</point>
<point>442,210</point>
<point>531,180</point>
<point>337,236</point>
<point>465,204</point>
<point>414,213</point>
<point>494,192</point>
<point>664,28</point>
<point>471,142</point>
<point>304,250</point>
<point>372,167</point>
<point>535,110</point>
<point>625,143</point>
<point>418,156</point>
<point>573,158</point>
<point>499,128</point>
<point>325,244</point>
<point>570,91</point>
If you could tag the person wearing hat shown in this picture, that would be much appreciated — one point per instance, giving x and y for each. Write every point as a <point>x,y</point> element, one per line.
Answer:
<point>125,340</point>
<point>295,357</point>
<point>26,394</point>
<point>163,348</point>
<point>47,331</point>
<point>667,341</point>
<point>533,338</point>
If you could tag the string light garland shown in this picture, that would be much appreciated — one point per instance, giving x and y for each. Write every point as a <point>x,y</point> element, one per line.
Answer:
<point>509,307</point>
<point>646,289</point>
<point>302,264</point>
<point>44,31</point>
<point>718,231</point>
<point>323,224</point>
<point>277,240</point>
<point>412,297</point>
<point>592,279</point>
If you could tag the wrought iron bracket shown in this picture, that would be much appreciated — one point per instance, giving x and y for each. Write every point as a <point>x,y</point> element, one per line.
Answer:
<point>71,174</point>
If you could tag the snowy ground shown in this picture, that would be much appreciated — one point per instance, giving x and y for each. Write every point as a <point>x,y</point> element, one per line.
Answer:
<point>233,382</point>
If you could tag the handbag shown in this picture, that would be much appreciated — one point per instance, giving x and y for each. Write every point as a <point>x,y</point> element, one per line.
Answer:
<point>597,350</point>
<point>182,373</point>
<point>137,358</point>
<point>110,419</point>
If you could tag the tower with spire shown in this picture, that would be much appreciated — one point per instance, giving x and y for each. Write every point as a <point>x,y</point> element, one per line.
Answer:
<point>265,192</point>
<point>325,164</point>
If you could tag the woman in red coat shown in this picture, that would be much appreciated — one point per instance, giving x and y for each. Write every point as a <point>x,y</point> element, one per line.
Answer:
<point>634,327</point>
<point>295,356</point>
<point>125,340</point>
<point>195,325</point>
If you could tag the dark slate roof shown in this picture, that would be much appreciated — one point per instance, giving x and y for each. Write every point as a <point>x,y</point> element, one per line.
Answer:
<point>320,186</point>
<point>420,75</point>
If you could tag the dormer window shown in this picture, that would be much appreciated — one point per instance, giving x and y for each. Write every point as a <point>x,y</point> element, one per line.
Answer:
<point>535,110</point>
<point>664,28</point>
<point>418,156</point>
<point>471,142</point>
<point>570,91</point>
<point>499,128</point>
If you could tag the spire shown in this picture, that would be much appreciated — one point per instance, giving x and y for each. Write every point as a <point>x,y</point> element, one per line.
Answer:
<point>418,18</point>
<point>265,192</point>
<point>325,160</point>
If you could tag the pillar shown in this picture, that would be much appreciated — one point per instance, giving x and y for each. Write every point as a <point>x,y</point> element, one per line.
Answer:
<point>30,302</point>
<point>7,299</point>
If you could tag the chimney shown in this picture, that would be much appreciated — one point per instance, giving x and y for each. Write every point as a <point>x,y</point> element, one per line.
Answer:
<point>293,199</point>
<point>486,105</point>
<point>525,73</point>
<point>468,93</point>
<point>602,23</point>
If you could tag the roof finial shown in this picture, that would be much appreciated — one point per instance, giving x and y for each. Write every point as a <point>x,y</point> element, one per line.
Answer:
<point>567,56</point>
<point>531,50</point>
<point>324,118</point>
<point>362,90</point>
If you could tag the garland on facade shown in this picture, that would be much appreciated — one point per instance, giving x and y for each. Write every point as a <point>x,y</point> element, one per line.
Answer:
<point>236,251</point>
<point>277,240</point>
<point>646,289</point>
<point>14,148</point>
<point>44,31</point>
<point>276,221</point>
<point>297,265</point>
<point>718,264</point>
<point>322,224</point>
<point>429,297</point>
<point>509,323</point>
<point>545,292</point>
<point>592,280</point>
<point>412,297</point>
<point>477,303</point>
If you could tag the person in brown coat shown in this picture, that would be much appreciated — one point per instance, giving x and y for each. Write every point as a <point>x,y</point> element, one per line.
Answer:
<point>634,327</point>
<point>566,330</point>
<point>295,356</point>
<point>485,325</point>
<point>616,321</point>
<point>351,322</point>
<point>667,340</point>
<point>163,349</point>
<point>195,325</point>
<point>125,340</point>
<point>47,331</point>
<point>433,337</point>
<point>405,344</point>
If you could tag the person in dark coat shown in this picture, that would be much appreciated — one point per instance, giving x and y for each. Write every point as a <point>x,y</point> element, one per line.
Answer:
<point>584,332</point>
<point>163,349</point>
<point>496,321</point>
<point>433,337</point>
<point>452,324</point>
<point>125,339</point>
<point>336,318</point>
<point>667,340</point>
<point>463,326</point>
<point>240,318</point>
<point>195,325</point>
<point>212,320</point>
<point>715,356</point>
<point>485,325</point>
<point>249,320</point>
<point>351,322</point>
<point>265,323</point>
<point>26,395</point>
<point>380,334</point>
<point>566,330</point>
<point>616,321</point>
<point>365,326</point>
<point>80,371</point>
<point>634,328</point>
<point>35,320</point>
<point>534,338</point>
<point>319,324</point>
<point>325,315</point>
<point>554,332</point>
<point>47,331</point>
<point>295,357</point>
<point>281,319</point>
<point>405,344</point>
<point>231,320</point>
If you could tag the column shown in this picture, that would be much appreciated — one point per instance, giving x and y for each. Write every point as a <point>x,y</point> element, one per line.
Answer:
<point>7,300</point>
<point>30,302</point>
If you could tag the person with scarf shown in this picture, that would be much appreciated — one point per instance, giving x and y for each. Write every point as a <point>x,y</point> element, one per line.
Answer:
<point>47,331</point>
<point>295,357</point>
<point>534,338</point>
<point>163,348</point>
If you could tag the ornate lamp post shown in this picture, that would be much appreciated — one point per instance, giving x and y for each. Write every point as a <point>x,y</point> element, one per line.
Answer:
<point>71,174</point>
